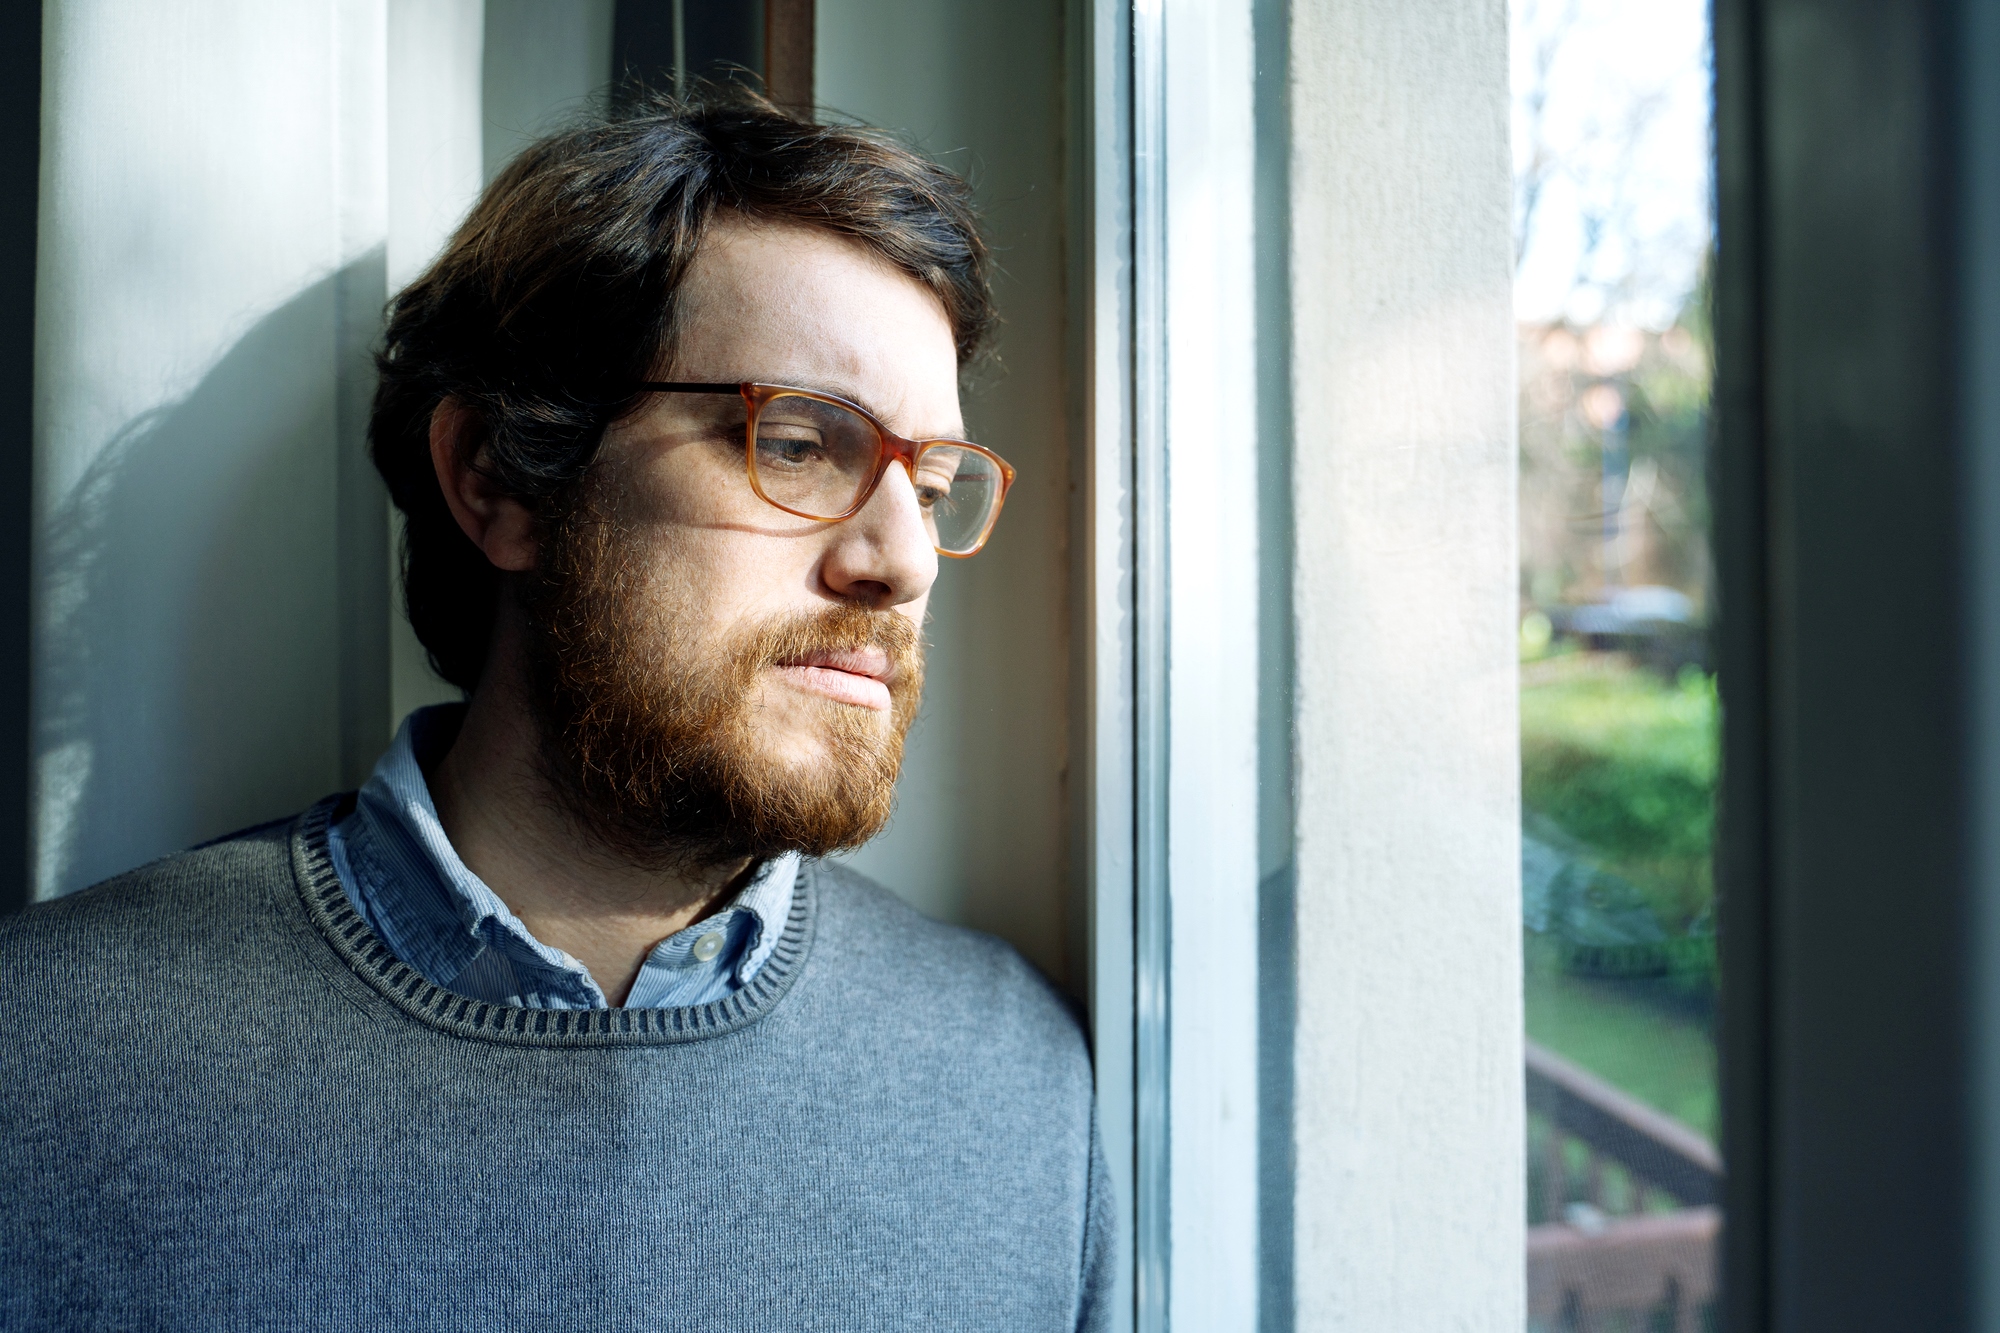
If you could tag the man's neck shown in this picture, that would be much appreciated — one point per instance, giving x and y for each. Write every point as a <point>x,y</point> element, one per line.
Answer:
<point>570,891</point>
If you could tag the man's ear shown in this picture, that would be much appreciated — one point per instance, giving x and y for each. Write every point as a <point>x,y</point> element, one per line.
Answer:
<point>498,524</point>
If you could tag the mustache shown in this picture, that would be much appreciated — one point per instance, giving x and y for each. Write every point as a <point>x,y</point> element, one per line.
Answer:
<point>801,636</point>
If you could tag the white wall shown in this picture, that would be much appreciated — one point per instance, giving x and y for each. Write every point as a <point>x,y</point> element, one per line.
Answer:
<point>980,832</point>
<point>1409,1115</point>
<point>212,219</point>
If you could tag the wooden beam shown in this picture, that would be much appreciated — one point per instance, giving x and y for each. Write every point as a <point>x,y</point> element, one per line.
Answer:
<point>1629,1265</point>
<point>788,54</point>
<point>1657,1148</point>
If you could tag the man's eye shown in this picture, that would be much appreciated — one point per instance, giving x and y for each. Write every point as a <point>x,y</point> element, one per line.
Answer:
<point>934,497</point>
<point>792,452</point>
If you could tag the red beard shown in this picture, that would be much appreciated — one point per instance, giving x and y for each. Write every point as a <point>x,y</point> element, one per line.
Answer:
<point>652,736</point>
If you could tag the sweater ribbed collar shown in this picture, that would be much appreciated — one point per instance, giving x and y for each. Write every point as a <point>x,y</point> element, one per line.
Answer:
<point>331,913</point>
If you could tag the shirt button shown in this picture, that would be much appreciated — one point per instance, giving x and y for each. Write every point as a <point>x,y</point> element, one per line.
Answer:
<point>708,946</point>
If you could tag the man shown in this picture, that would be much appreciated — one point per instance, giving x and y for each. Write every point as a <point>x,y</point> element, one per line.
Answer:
<point>562,1020</point>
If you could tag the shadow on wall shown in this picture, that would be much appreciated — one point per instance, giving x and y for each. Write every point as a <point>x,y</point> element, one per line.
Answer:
<point>190,651</point>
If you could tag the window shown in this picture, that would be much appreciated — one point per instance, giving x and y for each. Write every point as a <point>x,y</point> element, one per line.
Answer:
<point>1619,716</point>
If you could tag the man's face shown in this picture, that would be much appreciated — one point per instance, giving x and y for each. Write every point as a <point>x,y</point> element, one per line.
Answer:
<point>740,646</point>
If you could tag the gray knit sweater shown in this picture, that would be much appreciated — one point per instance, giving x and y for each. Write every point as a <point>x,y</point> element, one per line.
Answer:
<point>227,1105</point>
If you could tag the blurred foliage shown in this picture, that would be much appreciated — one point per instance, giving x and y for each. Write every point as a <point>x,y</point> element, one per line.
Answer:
<point>1624,763</point>
<point>1618,775</point>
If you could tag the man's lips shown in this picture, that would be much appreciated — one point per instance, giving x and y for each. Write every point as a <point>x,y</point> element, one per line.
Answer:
<point>857,676</point>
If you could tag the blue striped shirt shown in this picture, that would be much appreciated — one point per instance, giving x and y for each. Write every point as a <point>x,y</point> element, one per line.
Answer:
<point>402,874</point>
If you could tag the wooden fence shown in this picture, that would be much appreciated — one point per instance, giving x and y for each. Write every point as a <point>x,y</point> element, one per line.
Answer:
<point>1650,1251</point>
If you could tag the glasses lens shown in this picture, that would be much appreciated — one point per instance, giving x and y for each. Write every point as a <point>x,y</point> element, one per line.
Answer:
<point>959,489</point>
<point>813,458</point>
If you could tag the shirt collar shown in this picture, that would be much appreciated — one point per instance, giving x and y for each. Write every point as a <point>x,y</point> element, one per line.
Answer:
<point>768,899</point>
<point>440,917</point>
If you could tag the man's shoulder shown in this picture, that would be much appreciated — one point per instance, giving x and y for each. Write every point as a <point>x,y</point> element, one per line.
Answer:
<point>948,976</point>
<point>149,907</point>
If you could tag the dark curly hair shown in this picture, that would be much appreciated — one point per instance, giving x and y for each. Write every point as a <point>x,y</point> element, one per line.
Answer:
<point>560,291</point>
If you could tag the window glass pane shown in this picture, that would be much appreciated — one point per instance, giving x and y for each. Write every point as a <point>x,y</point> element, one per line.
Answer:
<point>1618,703</point>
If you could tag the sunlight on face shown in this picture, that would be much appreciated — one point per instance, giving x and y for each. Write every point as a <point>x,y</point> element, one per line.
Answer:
<point>787,305</point>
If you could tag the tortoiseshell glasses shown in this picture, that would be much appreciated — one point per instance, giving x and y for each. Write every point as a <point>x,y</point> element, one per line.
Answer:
<point>821,457</point>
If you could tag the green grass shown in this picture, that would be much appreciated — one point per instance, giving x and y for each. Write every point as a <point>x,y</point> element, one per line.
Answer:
<point>1663,1057</point>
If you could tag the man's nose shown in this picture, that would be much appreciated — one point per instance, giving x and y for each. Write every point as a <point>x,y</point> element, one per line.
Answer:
<point>884,555</point>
